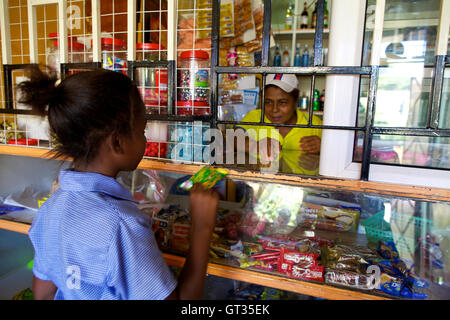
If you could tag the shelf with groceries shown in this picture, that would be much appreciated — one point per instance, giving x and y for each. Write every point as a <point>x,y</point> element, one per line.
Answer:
<point>314,241</point>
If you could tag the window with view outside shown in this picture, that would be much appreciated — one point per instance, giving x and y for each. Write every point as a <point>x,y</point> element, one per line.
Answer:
<point>406,69</point>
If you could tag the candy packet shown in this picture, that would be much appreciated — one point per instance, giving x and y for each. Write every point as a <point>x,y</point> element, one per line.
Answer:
<point>206,176</point>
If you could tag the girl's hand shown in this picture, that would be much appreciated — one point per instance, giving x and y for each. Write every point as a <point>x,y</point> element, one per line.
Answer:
<point>310,144</point>
<point>203,203</point>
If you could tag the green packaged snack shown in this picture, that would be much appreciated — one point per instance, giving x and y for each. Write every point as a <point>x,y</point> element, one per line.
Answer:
<point>26,294</point>
<point>207,176</point>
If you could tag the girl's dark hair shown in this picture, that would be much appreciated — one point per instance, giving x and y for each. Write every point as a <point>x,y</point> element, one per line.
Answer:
<point>83,109</point>
<point>294,93</point>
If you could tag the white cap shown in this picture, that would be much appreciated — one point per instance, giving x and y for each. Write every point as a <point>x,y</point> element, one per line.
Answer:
<point>286,81</point>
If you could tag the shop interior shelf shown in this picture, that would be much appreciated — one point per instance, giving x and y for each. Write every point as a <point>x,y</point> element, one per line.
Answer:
<point>221,269</point>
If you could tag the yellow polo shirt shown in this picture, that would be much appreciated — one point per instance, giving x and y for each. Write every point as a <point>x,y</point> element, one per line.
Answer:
<point>290,144</point>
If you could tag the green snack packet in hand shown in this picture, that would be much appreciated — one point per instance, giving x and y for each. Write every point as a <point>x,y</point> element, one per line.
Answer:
<point>206,176</point>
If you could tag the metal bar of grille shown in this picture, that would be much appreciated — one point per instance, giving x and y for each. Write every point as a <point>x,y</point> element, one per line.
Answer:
<point>214,63</point>
<point>297,70</point>
<point>266,32</point>
<point>318,38</point>
<point>436,90</point>
<point>368,134</point>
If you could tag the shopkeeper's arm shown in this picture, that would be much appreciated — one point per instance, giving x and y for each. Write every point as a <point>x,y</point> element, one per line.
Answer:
<point>203,205</point>
<point>43,290</point>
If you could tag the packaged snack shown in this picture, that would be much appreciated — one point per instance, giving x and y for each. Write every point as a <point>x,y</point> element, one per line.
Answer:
<point>279,206</point>
<point>300,265</point>
<point>349,279</point>
<point>272,294</point>
<point>308,273</point>
<point>224,249</point>
<point>226,25</point>
<point>328,218</point>
<point>162,224</point>
<point>4,209</point>
<point>207,176</point>
<point>25,294</point>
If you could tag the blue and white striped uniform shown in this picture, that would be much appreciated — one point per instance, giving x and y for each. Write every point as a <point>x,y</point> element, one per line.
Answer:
<point>92,242</point>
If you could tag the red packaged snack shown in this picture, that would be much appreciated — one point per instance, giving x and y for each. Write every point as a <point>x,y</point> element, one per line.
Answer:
<point>300,265</point>
<point>298,258</point>
<point>311,273</point>
<point>266,256</point>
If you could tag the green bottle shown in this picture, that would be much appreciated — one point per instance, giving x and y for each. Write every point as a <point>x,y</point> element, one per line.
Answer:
<point>316,100</point>
<point>325,15</point>
<point>289,17</point>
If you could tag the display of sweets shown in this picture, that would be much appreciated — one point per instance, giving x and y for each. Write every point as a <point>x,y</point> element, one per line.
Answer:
<point>187,142</point>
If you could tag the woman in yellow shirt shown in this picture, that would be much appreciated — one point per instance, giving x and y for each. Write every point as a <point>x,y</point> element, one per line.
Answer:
<point>298,148</point>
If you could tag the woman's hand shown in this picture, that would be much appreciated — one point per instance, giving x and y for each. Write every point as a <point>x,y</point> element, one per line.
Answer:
<point>268,149</point>
<point>309,161</point>
<point>310,144</point>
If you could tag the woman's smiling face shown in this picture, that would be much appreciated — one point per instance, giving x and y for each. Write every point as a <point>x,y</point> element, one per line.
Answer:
<point>280,106</point>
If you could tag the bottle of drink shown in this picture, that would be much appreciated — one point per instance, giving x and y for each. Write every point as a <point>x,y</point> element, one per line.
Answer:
<point>304,102</point>
<point>322,100</point>
<point>277,57</point>
<point>311,58</point>
<point>289,17</point>
<point>304,18</point>
<point>325,15</point>
<point>314,17</point>
<point>298,56</point>
<point>285,61</point>
<point>316,100</point>
<point>305,56</point>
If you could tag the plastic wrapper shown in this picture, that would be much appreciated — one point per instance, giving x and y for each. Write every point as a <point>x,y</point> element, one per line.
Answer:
<point>206,176</point>
<point>181,233</point>
<point>225,248</point>
<point>145,185</point>
<point>349,279</point>
<point>300,265</point>
<point>227,10</point>
<point>327,218</point>
<point>162,224</point>
<point>252,225</point>
<point>278,205</point>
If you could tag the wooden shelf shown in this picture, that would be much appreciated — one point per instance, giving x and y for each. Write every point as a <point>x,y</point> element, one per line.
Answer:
<point>389,189</point>
<point>263,279</point>
<point>14,226</point>
<point>308,31</point>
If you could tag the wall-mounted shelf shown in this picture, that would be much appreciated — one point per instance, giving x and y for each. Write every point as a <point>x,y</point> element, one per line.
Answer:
<point>310,32</point>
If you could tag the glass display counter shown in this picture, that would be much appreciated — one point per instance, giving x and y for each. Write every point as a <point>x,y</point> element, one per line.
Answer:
<point>383,246</point>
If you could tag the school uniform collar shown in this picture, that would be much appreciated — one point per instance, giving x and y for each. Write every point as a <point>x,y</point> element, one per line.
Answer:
<point>70,180</point>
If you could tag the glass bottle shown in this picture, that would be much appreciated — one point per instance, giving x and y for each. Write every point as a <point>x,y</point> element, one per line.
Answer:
<point>277,57</point>
<point>316,100</point>
<point>304,18</point>
<point>298,56</point>
<point>304,102</point>
<point>314,17</point>
<point>322,100</point>
<point>305,56</point>
<point>285,58</point>
<point>289,17</point>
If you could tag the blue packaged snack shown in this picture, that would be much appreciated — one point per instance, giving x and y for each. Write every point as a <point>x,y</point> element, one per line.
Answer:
<point>407,293</point>
<point>4,208</point>
<point>387,250</point>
